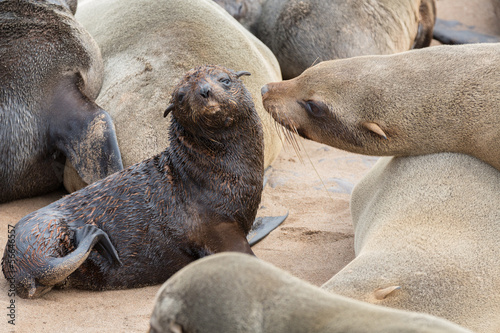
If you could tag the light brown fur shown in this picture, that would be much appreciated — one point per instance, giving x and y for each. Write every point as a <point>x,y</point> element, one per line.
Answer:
<point>148,45</point>
<point>233,292</point>
<point>304,32</point>
<point>438,99</point>
<point>429,225</point>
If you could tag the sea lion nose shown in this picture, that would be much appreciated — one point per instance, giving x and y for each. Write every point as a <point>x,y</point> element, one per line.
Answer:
<point>205,89</point>
<point>264,89</point>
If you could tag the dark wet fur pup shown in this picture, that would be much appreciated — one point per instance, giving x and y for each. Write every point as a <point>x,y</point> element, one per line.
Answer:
<point>139,226</point>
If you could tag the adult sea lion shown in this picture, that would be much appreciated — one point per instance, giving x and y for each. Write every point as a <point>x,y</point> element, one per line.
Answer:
<point>426,239</point>
<point>303,32</point>
<point>148,45</point>
<point>443,98</point>
<point>50,75</point>
<point>246,12</point>
<point>233,292</point>
<point>198,197</point>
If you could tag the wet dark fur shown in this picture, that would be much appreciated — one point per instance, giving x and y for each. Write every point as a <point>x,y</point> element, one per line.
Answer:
<point>43,83</point>
<point>198,197</point>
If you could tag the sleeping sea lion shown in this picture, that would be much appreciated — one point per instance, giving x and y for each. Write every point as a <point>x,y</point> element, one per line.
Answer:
<point>233,292</point>
<point>50,74</point>
<point>426,239</point>
<point>304,32</point>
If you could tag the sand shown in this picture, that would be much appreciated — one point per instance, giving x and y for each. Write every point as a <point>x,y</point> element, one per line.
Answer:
<point>314,243</point>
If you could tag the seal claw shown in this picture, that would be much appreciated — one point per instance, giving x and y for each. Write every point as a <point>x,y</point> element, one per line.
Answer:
<point>382,293</point>
<point>375,128</point>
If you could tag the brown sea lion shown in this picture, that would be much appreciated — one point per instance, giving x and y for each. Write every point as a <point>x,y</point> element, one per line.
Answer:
<point>148,45</point>
<point>233,292</point>
<point>198,197</point>
<point>426,239</point>
<point>304,32</point>
<point>443,98</point>
<point>50,74</point>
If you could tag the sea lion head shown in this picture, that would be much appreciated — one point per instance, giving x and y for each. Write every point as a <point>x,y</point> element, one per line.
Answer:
<point>209,98</point>
<point>325,104</point>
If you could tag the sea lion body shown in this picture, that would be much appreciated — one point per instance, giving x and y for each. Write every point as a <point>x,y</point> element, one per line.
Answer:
<point>426,239</point>
<point>247,12</point>
<point>301,33</point>
<point>51,73</point>
<point>438,99</point>
<point>148,45</point>
<point>245,294</point>
<point>198,197</point>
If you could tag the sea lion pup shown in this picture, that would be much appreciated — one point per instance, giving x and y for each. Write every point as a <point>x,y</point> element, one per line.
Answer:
<point>443,98</point>
<point>304,32</point>
<point>148,45</point>
<point>426,239</point>
<point>198,197</point>
<point>233,292</point>
<point>51,73</point>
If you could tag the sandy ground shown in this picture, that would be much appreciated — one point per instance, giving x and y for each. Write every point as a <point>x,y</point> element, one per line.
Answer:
<point>314,243</point>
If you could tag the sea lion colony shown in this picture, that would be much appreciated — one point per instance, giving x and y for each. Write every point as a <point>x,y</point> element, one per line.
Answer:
<point>96,237</point>
<point>198,197</point>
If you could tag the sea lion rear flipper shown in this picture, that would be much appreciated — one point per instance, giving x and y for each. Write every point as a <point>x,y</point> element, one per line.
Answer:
<point>86,238</point>
<point>263,226</point>
<point>454,32</point>
<point>83,132</point>
<point>56,269</point>
<point>107,250</point>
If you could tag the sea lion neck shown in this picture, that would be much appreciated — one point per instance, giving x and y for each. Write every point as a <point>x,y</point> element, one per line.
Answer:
<point>225,175</point>
<point>233,151</point>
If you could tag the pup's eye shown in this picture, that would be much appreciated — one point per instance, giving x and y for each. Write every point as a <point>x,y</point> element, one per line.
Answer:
<point>316,109</point>
<point>180,97</point>
<point>225,81</point>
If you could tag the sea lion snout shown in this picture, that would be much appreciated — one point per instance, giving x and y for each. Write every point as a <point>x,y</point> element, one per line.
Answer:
<point>204,89</point>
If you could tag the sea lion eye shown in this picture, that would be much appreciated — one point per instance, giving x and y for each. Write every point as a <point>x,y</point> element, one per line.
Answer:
<point>314,108</point>
<point>225,81</point>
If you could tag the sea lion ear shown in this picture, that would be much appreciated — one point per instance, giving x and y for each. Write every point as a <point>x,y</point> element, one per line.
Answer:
<point>241,73</point>
<point>167,111</point>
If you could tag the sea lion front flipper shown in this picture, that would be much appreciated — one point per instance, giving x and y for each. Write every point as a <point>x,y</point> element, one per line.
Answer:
<point>83,132</point>
<point>225,236</point>
<point>262,226</point>
<point>454,32</point>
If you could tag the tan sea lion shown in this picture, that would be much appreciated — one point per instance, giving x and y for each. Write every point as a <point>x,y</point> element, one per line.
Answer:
<point>139,226</point>
<point>443,98</point>
<point>148,45</point>
<point>50,75</point>
<point>232,292</point>
<point>304,32</point>
<point>426,239</point>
